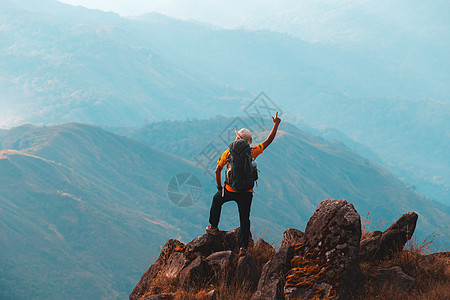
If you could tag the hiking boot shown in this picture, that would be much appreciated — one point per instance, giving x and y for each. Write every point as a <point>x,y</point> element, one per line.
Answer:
<point>212,230</point>
<point>243,251</point>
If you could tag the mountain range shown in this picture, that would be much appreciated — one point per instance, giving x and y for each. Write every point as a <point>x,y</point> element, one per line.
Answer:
<point>60,63</point>
<point>380,24</point>
<point>83,211</point>
<point>85,208</point>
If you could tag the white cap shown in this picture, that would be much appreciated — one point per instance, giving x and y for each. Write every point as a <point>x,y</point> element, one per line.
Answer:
<point>244,134</point>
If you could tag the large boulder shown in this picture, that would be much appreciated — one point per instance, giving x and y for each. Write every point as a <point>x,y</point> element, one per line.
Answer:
<point>145,283</point>
<point>379,245</point>
<point>195,274</point>
<point>271,281</point>
<point>207,244</point>
<point>326,263</point>
<point>221,263</point>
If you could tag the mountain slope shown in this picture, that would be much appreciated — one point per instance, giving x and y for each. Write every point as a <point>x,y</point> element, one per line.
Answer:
<point>97,207</point>
<point>53,231</point>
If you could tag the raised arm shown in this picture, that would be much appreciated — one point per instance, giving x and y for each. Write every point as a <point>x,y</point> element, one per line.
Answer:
<point>272,134</point>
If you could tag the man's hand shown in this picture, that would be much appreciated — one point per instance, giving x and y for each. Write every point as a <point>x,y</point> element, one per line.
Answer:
<point>272,134</point>
<point>276,120</point>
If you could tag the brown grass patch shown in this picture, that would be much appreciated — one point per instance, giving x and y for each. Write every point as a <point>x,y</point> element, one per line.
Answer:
<point>432,272</point>
<point>366,226</point>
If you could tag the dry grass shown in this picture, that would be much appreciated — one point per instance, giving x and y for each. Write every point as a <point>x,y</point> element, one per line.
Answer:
<point>225,289</point>
<point>432,272</point>
<point>366,225</point>
<point>235,290</point>
<point>161,285</point>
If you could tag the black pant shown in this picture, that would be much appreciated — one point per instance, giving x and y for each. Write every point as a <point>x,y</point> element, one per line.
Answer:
<point>244,201</point>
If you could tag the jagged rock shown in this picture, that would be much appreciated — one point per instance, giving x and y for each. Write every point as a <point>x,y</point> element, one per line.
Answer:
<point>394,278</point>
<point>292,236</point>
<point>176,262</point>
<point>271,281</point>
<point>195,274</point>
<point>246,271</point>
<point>207,244</point>
<point>391,241</point>
<point>221,262</point>
<point>146,280</point>
<point>169,296</point>
<point>263,246</point>
<point>327,262</point>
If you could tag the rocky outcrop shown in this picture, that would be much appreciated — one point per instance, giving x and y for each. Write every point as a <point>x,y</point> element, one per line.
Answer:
<point>202,260</point>
<point>207,244</point>
<point>322,263</point>
<point>145,283</point>
<point>326,264</point>
<point>379,245</point>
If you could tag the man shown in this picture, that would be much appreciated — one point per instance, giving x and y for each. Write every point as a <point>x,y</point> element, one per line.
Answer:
<point>242,198</point>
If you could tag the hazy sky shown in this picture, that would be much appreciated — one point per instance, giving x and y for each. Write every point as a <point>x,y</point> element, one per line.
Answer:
<point>223,13</point>
<point>124,8</point>
<point>311,20</point>
<point>179,8</point>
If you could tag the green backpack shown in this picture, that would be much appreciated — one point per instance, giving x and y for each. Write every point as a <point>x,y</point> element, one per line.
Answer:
<point>242,174</point>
